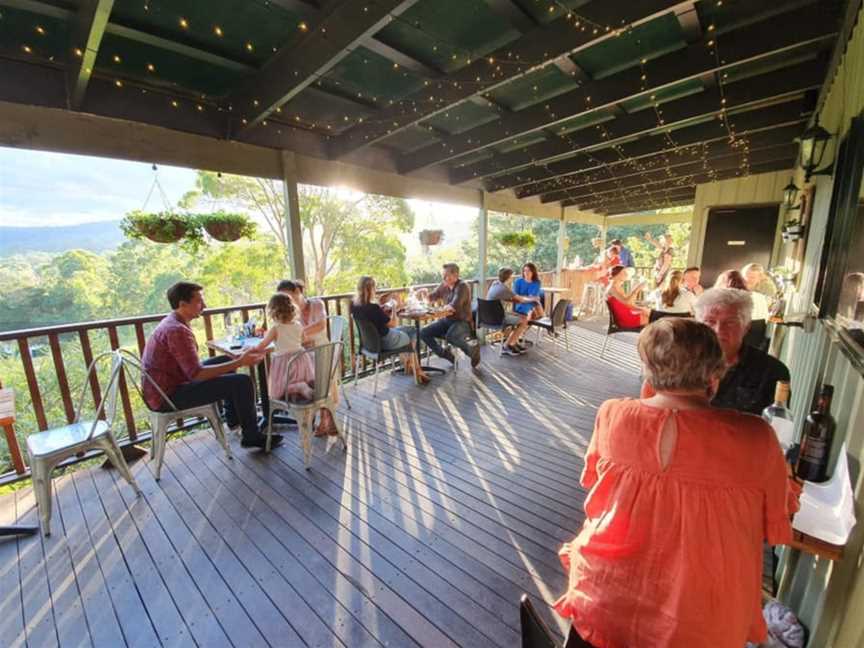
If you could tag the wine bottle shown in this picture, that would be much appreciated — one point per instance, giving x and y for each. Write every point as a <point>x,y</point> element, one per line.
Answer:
<point>816,440</point>
<point>779,416</point>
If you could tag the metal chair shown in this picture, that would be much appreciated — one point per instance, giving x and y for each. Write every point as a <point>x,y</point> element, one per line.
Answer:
<point>325,361</point>
<point>338,325</point>
<point>160,420</point>
<point>490,316</point>
<point>47,449</point>
<point>614,328</point>
<point>371,347</point>
<point>556,322</point>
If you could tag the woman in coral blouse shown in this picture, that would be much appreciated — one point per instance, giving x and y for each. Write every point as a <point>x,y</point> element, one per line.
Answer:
<point>621,303</point>
<point>681,497</point>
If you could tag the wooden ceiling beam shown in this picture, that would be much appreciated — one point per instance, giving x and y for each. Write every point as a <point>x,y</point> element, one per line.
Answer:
<point>812,24</point>
<point>669,157</point>
<point>539,47</point>
<point>401,58</point>
<point>564,155</point>
<point>292,69</point>
<point>631,210</point>
<point>661,176</point>
<point>611,202</point>
<point>87,30</point>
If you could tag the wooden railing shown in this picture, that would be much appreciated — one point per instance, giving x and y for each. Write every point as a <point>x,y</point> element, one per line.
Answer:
<point>72,347</point>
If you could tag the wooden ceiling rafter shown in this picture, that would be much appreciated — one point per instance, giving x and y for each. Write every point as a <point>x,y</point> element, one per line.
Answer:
<point>539,47</point>
<point>88,28</point>
<point>560,157</point>
<point>680,155</point>
<point>295,67</point>
<point>667,174</point>
<point>809,24</point>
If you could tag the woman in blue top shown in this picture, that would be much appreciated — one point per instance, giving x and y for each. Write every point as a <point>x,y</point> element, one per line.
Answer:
<point>528,285</point>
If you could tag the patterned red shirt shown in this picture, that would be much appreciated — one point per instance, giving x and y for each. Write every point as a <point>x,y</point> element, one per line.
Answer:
<point>170,358</point>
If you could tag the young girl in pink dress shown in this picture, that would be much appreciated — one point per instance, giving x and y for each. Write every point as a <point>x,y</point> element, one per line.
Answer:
<point>290,375</point>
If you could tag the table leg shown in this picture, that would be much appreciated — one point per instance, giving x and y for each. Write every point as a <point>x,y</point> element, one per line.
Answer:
<point>425,368</point>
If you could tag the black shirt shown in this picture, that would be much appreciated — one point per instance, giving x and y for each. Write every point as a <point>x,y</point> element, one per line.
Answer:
<point>372,312</point>
<point>749,385</point>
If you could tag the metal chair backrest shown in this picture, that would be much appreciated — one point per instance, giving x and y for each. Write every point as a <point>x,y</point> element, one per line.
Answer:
<point>370,339</point>
<point>535,634</point>
<point>324,359</point>
<point>490,312</point>
<point>130,359</point>
<point>107,407</point>
<point>559,313</point>
<point>338,325</point>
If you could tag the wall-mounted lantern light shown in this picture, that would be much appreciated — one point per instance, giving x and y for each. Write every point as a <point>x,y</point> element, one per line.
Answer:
<point>814,142</point>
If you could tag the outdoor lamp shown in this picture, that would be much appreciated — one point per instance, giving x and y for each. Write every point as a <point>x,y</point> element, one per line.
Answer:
<point>790,193</point>
<point>814,141</point>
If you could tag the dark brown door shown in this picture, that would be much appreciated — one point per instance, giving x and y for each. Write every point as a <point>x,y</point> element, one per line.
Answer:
<point>736,237</point>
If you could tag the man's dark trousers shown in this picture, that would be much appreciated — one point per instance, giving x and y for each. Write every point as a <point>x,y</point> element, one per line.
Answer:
<point>233,389</point>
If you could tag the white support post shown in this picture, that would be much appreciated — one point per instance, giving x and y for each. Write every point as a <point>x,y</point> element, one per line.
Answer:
<point>603,228</point>
<point>293,232</point>
<point>482,250</point>
<point>562,239</point>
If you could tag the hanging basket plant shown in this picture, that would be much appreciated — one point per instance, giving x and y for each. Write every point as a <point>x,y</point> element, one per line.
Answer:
<point>519,240</point>
<point>163,227</point>
<point>227,227</point>
<point>431,237</point>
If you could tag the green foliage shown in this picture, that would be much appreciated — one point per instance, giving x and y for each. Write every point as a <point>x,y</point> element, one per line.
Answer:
<point>227,227</point>
<point>343,234</point>
<point>644,253</point>
<point>163,227</point>
<point>519,240</point>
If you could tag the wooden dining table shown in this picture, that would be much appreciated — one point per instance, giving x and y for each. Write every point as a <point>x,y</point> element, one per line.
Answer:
<point>419,316</point>
<point>233,348</point>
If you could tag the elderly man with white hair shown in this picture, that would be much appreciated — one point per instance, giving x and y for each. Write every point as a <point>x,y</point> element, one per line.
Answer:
<point>751,374</point>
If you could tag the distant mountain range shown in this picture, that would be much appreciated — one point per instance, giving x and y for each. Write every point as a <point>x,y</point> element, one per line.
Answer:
<point>96,237</point>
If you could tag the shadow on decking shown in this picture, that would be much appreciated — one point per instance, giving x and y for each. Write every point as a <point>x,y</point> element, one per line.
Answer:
<point>452,500</point>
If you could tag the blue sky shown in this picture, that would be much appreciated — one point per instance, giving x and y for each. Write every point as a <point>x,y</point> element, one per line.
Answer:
<point>44,189</point>
<point>48,189</point>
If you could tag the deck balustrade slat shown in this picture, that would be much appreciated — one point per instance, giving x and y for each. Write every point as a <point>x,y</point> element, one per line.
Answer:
<point>128,413</point>
<point>93,378</point>
<point>140,338</point>
<point>208,333</point>
<point>62,382</point>
<point>32,383</point>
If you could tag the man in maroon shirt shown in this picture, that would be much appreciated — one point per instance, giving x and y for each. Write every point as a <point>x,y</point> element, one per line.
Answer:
<point>171,361</point>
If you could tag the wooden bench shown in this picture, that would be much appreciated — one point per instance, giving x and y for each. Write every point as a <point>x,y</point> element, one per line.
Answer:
<point>7,421</point>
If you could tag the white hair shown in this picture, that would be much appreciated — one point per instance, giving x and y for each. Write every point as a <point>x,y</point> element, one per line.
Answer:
<point>715,298</point>
<point>752,267</point>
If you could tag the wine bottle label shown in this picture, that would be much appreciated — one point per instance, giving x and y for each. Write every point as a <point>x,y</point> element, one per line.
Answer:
<point>785,431</point>
<point>814,450</point>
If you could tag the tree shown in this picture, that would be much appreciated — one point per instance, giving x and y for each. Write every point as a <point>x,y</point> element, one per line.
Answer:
<point>343,234</point>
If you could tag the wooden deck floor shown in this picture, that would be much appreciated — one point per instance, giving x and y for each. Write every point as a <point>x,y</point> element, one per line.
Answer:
<point>451,501</point>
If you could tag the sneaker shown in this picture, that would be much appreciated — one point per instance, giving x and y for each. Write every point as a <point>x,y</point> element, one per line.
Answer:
<point>447,354</point>
<point>519,348</point>
<point>261,442</point>
<point>510,351</point>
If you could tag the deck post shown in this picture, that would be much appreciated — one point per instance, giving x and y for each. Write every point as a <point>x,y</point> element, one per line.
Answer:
<point>482,253</point>
<point>293,233</point>
<point>562,239</point>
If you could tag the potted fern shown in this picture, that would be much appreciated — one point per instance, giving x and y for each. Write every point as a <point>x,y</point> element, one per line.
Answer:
<point>431,237</point>
<point>518,240</point>
<point>159,227</point>
<point>227,227</point>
